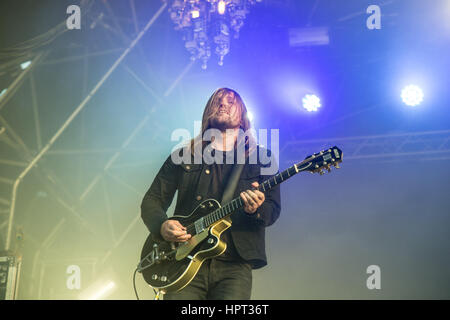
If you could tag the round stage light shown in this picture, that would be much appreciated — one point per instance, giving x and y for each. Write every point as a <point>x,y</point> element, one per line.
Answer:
<point>412,95</point>
<point>311,102</point>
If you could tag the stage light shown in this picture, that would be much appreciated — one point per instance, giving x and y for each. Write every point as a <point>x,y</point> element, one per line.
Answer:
<point>103,292</point>
<point>25,65</point>
<point>311,102</point>
<point>307,37</point>
<point>195,14</point>
<point>221,6</point>
<point>209,25</point>
<point>100,289</point>
<point>412,95</point>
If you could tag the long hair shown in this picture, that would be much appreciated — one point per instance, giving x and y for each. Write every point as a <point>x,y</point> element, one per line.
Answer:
<point>210,109</point>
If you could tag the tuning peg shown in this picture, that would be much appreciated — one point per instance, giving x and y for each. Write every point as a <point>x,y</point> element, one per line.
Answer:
<point>336,165</point>
<point>328,169</point>
<point>321,172</point>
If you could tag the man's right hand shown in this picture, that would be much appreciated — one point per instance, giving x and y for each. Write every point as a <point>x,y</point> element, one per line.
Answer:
<point>173,231</point>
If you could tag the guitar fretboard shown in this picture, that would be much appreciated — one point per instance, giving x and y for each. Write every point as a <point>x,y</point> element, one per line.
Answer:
<point>237,203</point>
<point>314,163</point>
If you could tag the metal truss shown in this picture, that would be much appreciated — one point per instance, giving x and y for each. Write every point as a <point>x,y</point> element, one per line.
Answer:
<point>77,110</point>
<point>28,159</point>
<point>420,146</point>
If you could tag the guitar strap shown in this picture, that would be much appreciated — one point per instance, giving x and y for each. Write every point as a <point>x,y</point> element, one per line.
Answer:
<point>232,183</point>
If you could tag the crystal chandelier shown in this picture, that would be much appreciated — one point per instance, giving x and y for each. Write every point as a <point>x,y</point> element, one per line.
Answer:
<point>209,24</point>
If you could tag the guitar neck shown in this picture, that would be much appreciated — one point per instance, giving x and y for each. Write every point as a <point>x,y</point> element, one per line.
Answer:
<point>268,184</point>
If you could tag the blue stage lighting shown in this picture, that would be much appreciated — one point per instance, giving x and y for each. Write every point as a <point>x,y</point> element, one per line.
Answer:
<point>311,102</point>
<point>412,95</point>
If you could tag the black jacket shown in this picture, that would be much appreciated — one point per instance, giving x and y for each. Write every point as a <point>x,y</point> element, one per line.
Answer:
<point>191,181</point>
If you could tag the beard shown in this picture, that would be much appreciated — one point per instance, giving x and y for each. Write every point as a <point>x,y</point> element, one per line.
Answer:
<point>223,121</point>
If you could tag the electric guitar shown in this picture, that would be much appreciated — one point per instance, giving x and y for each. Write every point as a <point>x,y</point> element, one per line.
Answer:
<point>169,266</point>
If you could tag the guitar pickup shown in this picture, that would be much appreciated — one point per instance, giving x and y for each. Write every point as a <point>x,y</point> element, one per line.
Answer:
<point>199,225</point>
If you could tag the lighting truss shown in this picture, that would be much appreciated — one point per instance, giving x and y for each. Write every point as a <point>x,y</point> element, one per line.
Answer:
<point>420,146</point>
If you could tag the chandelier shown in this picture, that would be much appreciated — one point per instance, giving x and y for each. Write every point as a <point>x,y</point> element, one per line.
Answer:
<point>209,24</point>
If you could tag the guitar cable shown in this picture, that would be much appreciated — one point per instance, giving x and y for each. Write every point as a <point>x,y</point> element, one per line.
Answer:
<point>134,285</point>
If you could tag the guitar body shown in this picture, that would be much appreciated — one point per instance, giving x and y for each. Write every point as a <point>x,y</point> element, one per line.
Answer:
<point>182,261</point>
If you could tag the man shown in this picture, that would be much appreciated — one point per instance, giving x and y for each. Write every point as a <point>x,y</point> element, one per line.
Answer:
<point>228,276</point>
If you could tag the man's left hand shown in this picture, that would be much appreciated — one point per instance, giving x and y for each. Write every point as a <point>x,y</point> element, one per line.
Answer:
<point>253,199</point>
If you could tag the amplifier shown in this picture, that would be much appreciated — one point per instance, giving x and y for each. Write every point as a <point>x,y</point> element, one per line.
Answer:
<point>9,276</point>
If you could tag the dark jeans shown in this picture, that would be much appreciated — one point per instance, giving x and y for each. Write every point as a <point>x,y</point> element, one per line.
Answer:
<point>218,280</point>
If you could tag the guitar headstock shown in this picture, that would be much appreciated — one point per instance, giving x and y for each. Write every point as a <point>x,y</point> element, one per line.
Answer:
<point>323,160</point>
